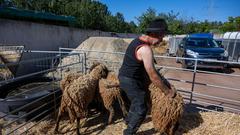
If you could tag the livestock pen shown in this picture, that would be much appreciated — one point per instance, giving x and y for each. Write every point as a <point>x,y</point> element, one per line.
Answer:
<point>203,90</point>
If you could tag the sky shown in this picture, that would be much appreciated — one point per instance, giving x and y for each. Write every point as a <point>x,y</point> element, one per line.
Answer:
<point>211,10</point>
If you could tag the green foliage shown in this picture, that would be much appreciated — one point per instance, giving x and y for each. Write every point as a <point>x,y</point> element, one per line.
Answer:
<point>92,14</point>
<point>145,19</point>
<point>178,25</point>
<point>117,23</point>
<point>1,2</point>
<point>233,24</point>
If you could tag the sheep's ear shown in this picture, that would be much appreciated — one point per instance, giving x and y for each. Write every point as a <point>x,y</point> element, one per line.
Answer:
<point>94,64</point>
<point>104,71</point>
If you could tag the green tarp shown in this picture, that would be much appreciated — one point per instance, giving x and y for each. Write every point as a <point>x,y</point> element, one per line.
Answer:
<point>20,14</point>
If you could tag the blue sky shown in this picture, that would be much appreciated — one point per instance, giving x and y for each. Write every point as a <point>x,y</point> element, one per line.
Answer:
<point>212,10</point>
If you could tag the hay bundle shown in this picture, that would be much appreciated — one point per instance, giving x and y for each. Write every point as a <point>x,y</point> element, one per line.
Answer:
<point>109,91</point>
<point>77,96</point>
<point>5,73</point>
<point>209,123</point>
<point>161,48</point>
<point>203,123</point>
<point>102,44</point>
<point>165,111</point>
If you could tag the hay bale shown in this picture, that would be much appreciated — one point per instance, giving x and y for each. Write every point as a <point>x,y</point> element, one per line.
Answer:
<point>161,48</point>
<point>165,111</point>
<point>5,73</point>
<point>107,44</point>
<point>195,123</point>
<point>209,123</point>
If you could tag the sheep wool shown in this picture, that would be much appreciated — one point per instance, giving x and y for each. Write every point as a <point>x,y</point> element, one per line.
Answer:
<point>109,91</point>
<point>165,111</point>
<point>68,79</point>
<point>77,96</point>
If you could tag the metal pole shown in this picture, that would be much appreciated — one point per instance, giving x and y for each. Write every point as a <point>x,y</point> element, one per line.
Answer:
<point>228,39</point>
<point>193,81</point>
<point>85,62</point>
<point>174,45</point>
<point>54,94</point>
<point>60,61</point>
<point>82,63</point>
<point>234,47</point>
<point>79,61</point>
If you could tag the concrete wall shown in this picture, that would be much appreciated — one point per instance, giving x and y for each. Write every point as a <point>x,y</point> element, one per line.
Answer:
<point>35,36</point>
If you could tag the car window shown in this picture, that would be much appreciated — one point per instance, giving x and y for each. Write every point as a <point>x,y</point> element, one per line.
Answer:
<point>201,42</point>
<point>213,43</point>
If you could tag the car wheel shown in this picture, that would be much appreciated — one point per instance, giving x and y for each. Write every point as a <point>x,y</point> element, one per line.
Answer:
<point>184,65</point>
<point>177,60</point>
<point>225,65</point>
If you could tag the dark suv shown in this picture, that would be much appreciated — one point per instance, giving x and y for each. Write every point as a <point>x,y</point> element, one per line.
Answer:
<point>201,46</point>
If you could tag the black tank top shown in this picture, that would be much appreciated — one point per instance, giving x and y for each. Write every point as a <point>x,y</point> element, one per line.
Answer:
<point>132,67</point>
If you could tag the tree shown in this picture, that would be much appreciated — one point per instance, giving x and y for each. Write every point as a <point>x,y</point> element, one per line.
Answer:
<point>117,23</point>
<point>132,27</point>
<point>92,14</point>
<point>237,20</point>
<point>145,19</point>
<point>233,24</point>
<point>2,2</point>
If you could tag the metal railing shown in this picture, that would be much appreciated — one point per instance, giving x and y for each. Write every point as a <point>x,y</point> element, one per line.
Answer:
<point>113,60</point>
<point>194,73</point>
<point>232,105</point>
<point>34,94</point>
<point>57,63</point>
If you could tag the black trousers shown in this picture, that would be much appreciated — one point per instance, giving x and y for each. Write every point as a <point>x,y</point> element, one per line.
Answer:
<point>136,93</point>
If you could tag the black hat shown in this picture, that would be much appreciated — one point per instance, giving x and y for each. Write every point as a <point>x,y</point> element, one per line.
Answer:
<point>157,25</point>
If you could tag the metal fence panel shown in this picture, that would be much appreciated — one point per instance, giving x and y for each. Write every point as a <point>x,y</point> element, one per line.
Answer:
<point>173,45</point>
<point>233,48</point>
<point>54,63</point>
<point>35,94</point>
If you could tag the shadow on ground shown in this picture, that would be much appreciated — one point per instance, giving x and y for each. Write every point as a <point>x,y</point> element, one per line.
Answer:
<point>218,70</point>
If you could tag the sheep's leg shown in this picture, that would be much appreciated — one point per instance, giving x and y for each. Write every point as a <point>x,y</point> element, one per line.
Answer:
<point>58,120</point>
<point>78,126</point>
<point>123,107</point>
<point>84,122</point>
<point>111,111</point>
<point>173,128</point>
<point>71,115</point>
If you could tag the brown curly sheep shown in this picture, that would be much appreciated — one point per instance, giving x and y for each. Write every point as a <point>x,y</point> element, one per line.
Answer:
<point>109,91</point>
<point>165,111</point>
<point>77,96</point>
<point>69,79</point>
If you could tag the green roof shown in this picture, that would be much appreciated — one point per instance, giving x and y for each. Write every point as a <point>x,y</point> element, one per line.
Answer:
<point>15,13</point>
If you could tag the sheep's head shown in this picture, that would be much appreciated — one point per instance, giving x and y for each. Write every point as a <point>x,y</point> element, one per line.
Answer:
<point>99,71</point>
<point>94,64</point>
